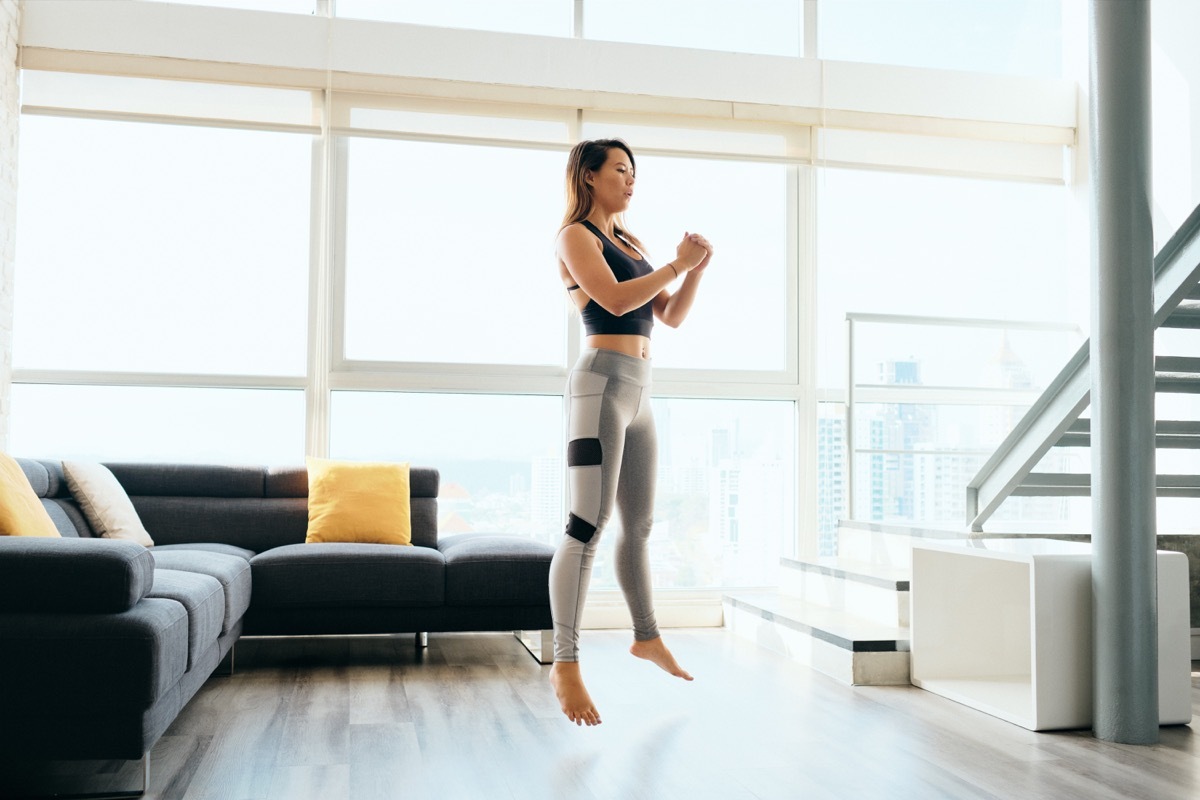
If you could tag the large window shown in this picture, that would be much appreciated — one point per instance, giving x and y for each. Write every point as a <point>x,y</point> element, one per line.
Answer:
<point>158,423</point>
<point>161,248</point>
<point>1015,37</point>
<point>770,27</point>
<point>163,271</point>
<point>450,253</point>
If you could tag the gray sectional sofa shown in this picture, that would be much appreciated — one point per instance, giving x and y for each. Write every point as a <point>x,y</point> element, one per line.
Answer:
<point>107,640</point>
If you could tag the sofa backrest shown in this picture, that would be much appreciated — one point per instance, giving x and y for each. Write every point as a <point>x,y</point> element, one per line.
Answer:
<point>46,478</point>
<point>253,507</point>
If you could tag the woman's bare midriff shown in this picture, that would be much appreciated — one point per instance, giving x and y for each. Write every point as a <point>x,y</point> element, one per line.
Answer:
<point>629,344</point>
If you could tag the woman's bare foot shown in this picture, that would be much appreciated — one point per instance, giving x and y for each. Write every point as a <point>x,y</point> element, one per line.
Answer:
<point>572,694</point>
<point>656,652</point>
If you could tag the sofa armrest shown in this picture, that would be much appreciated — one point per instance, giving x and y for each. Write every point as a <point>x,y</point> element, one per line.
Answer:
<point>82,665</point>
<point>99,576</point>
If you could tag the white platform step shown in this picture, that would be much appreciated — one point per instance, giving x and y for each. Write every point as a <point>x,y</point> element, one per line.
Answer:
<point>853,650</point>
<point>874,592</point>
<point>876,543</point>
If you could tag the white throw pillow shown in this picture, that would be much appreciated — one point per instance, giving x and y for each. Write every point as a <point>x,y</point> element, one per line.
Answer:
<point>107,507</point>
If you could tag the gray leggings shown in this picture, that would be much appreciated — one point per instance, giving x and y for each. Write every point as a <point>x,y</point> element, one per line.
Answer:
<point>612,452</point>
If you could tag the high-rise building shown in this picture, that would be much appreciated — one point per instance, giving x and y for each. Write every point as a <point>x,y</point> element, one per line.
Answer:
<point>546,498</point>
<point>831,481</point>
<point>895,431</point>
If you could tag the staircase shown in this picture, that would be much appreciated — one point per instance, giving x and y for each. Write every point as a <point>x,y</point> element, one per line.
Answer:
<point>846,616</point>
<point>1054,419</point>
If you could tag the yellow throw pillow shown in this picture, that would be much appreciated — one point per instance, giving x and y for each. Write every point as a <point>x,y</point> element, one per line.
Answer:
<point>358,501</point>
<point>21,512</point>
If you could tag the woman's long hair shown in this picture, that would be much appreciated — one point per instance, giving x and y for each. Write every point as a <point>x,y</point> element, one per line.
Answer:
<point>589,156</point>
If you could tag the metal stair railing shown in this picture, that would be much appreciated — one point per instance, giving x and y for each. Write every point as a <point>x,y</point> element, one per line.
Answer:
<point>1176,276</point>
<point>920,393</point>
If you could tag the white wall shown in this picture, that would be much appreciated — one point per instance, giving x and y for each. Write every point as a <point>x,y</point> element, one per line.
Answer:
<point>10,22</point>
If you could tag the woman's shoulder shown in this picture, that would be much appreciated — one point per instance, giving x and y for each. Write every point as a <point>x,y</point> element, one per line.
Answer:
<point>575,233</point>
<point>575,229</point>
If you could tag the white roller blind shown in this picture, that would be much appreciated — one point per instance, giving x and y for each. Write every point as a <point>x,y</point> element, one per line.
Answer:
<point>166,99</point>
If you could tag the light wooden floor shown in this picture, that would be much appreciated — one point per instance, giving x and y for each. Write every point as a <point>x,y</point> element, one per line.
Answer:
<point>474,718</point>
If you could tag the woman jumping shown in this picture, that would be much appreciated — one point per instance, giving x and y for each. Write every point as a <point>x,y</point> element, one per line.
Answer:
<point>611,444</point>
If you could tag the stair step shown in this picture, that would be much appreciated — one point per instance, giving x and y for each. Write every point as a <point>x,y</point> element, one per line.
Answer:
<point>841,645</point>
<point>1176,383</point>
<point>884,576</point>
<point>1177,374</point>
<point>836,627</point>
<point>871,592</point>
<point>1186,314</point>
<point>1168,434</point>
<point>1073,484</point>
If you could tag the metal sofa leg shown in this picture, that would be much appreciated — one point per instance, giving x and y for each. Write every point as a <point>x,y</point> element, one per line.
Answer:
<point>540,644</point>
<point>421,639</point>
<point>229,657</point>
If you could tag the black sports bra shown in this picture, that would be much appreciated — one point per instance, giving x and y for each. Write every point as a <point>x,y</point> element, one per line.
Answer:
<point>595,318</point>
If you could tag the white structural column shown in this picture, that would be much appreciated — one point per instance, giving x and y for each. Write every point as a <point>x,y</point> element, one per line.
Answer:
<point>10,24</point>
<point>1122,357</point>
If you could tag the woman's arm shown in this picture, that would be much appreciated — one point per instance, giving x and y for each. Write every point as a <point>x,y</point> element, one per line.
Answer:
<point>583,256</point>
<point>672,308</point>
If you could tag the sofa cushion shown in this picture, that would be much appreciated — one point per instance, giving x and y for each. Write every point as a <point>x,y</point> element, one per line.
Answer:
<point>338,574</point>
<point>104,502</point>
<point>21,512</point>
<point>204,601</point>
<point>358,501</point>
<point>95,576</point>
<point>209,547</point>
<point>231,571</point>
<point>486,569</point>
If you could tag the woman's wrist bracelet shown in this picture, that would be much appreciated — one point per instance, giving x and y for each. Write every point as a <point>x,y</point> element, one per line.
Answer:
<point>672,266</point>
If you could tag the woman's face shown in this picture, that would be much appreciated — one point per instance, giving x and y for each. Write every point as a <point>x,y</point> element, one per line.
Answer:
<point>612,184</point>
